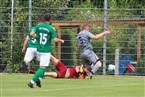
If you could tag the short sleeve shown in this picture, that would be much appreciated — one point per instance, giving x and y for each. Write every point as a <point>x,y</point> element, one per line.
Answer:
<point>34,29</point>
<point>90,35</point>
<point>29,31</point>
<point>53,34</point>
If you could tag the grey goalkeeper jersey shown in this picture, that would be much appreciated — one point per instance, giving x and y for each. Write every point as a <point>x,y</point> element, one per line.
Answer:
<point>83,40</point>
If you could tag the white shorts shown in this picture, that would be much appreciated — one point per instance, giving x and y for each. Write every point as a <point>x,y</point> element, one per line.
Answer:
<point>30,54</point>
<point>44,59</point>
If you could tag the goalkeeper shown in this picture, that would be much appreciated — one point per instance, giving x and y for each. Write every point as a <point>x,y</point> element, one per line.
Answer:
<point>64,72</point>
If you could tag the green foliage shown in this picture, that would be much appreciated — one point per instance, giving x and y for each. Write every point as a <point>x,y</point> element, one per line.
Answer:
<point>142,41</point>
<point>17,49</point>
<point>6,48</point>
<point>12,57</point>
<point>140,67</point>
<point>126,3</point>
<point>16,68</point>
<point>119,5</point>
<point>9,67</point>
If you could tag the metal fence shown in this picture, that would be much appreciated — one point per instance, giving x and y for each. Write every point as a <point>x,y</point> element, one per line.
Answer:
<point>126,25</point>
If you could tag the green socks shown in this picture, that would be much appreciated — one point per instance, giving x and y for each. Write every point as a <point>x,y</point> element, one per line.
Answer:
<point>39,73</point>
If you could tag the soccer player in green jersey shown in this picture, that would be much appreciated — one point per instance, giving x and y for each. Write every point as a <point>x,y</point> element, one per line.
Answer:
<point>30,44</point>
<point>44,32</point>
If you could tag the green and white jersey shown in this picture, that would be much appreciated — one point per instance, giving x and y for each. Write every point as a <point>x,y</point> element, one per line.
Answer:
<point>32,43</point>
<point>45,32</point>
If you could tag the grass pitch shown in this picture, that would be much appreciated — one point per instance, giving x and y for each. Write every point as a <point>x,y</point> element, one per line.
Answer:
<point>15,85</point>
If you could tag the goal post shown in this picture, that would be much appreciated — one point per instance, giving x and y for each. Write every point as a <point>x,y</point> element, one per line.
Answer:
<point>116,72</point>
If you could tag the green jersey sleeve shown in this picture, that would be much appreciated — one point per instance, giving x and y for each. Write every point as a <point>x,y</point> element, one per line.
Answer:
<point>32,43</point>
<point>29,31</point>
<point>53,34</point>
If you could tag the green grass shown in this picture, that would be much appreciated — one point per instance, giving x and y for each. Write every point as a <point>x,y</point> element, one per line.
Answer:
<point>15,85</point>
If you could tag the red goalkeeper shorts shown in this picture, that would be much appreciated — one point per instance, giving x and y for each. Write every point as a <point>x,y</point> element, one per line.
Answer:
<point>61,69</point>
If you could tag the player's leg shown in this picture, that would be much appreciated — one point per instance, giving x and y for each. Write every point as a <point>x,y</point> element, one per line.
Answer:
<point>94,59</point>
<point>51,74</point>
<point>96,66</point>
<point>91,58</point>
<point>44,62</point>
<point>54,60</point>
<point>28,57</point>
<point>60,67</point>
<point>37,55</point>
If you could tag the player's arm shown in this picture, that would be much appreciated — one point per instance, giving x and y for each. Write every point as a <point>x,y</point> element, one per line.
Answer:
<point>32,34</point>
<point>25,43</point>
<point>97,36</point>
<point>54,60</point>
<point>51,74</point>
<point>77,68</point>
<point>55,39</point>
<point>58,40</point>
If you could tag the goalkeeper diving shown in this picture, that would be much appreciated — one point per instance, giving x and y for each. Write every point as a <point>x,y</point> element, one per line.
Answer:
<point>77,72</point>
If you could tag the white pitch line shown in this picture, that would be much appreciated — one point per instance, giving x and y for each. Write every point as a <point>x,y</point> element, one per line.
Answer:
<point>62,89</point>
<point>92,87</point>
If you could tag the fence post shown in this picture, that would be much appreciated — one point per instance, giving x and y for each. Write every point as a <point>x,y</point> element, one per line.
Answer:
<point>30,13</point>
<point>116,62</point>
<point>12,26</point>
<point>104,45</point>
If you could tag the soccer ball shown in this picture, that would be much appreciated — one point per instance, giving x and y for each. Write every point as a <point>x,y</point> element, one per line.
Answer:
<point>111,67</point>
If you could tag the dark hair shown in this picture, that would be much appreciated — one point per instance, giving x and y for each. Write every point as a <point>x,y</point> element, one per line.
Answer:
<point>40,20</point>
<point>47,17</point>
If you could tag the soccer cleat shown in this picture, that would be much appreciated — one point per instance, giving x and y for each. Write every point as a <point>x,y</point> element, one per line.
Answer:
<point>31,71</point>
<point>30,85</point>
<point>91,77</point>
<point>38,83</point>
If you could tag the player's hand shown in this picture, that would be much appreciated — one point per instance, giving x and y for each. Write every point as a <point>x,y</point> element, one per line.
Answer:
<point>62,41</point>
<point>23,49</point>
<point>106,32</point>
